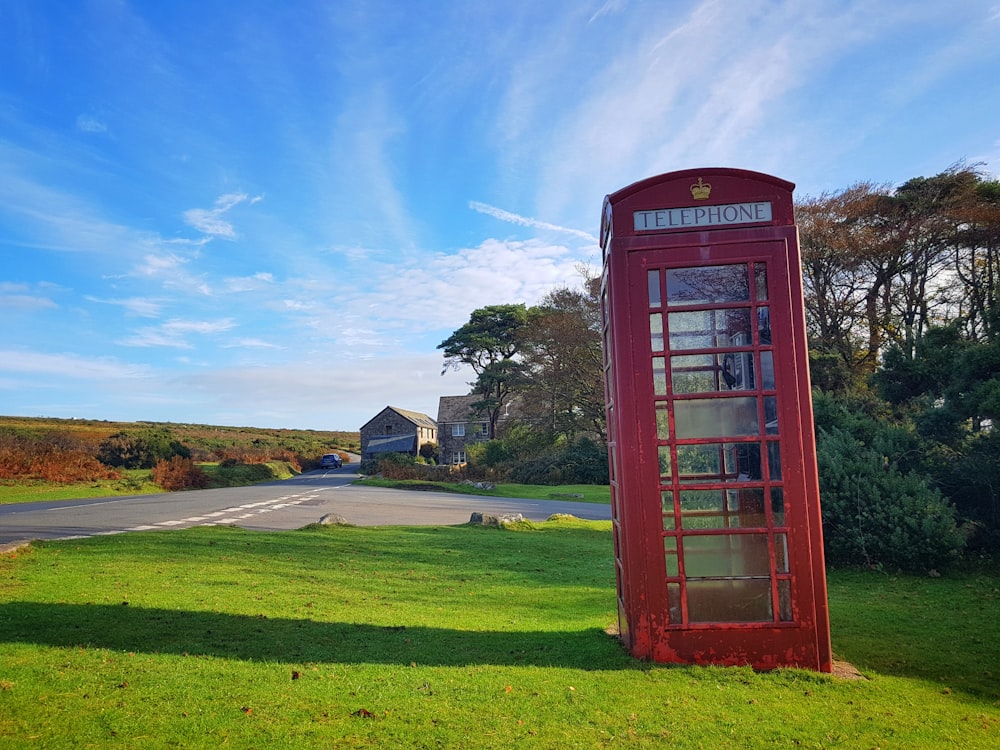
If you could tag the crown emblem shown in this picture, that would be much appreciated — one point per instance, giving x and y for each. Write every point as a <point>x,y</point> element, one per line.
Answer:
<point>701,190</point>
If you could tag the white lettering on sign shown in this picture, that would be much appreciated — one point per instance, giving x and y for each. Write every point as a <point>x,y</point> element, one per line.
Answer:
<point>701,216</point>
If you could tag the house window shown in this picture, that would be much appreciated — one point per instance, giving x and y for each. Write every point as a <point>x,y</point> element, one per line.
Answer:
<point>458,429</point>
<point>388,429</point>
<point>484,429</point>
<point>458,457</point>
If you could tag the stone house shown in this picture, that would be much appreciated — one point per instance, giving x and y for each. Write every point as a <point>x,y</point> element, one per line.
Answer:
<point>395,430</point>
<point>458,426</point>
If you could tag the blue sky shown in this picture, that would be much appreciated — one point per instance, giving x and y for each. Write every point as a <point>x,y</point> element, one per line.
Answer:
<point>270,213</point>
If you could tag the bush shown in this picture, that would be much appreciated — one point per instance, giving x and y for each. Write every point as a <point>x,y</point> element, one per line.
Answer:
<point>876,515</point>
<point>140,450</point>
<point>581,462</point>
<point>179,473</point>
<point>53,457</point>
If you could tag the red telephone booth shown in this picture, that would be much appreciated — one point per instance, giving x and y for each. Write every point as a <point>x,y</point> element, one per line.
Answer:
<point>717,531</point>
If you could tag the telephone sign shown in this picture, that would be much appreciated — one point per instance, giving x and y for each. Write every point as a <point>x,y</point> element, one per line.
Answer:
<point>715,500</point>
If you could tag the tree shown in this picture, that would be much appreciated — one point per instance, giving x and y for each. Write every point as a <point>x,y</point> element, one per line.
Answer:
<point>490,344</point>
<point>564,387</point>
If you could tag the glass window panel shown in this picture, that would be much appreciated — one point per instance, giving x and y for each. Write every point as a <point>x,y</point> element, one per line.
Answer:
<point>774,461</point>
<point>696,373</point>
<point>778,506</point>
<point>771,415</point>
<point>706,284</point>
<point>767,371</point>
<point>726,555</point>
<point>785,601</point>
<point>667,506</point>
<point>781,552</point>
<point>722,509</point>
<point>659,376</point>
<point>653,283</point>
<point>662,422</point>
<point>665,463</point>
<point>729,601</point>
<point>764,325</point>
<point>718,462</point>
<point>716,417</point>
<point>674,602</point>
<point>738,371</point>
<point>709,329</point>
<point>760,277</point>
<point>670,552</point>
<point>656,332</point>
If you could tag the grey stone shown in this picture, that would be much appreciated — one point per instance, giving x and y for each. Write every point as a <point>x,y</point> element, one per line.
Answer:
<point>333,519</point>
<point>498,519</point>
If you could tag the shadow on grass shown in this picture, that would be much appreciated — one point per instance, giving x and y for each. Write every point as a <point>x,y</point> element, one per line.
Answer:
<point>135,629</point>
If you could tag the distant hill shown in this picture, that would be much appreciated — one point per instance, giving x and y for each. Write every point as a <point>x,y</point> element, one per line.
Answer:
<point>206,442</point>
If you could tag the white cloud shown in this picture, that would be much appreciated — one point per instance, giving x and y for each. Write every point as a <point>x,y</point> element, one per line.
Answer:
<point>210,221</point>
<point>174,333</point>
<point>499,213</point>
<point>138,306</point>
<point>248,283</point>
<point>88,124</point>
<point>20,297</point>
<point>71,366</point>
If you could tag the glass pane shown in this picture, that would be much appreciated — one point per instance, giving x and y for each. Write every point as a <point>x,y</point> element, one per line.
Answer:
<point>656,332</point>
<point>764,325</point>
<point>729,601</point>
<point>781,553</point>
<point>767,371</point>
<point>697,373</point>
<point>709,329</point>
<point>771,415</point>
<point>716,417</point>
<point>722,509</point>
<point>726,555</point>
<point>718,462</point>
<point>667,507</point>
<point>785,601</point>
<point>760,276</point>
<point>738,371</point>
<point>670,552</point>
<point>706,284</point>
<point>665,464</point>
<point>662,422</point>
<point>778,506</point>
<point>674,602</point>
<point>659,376</point>
<point>774,461</point>
<point>653,283</point>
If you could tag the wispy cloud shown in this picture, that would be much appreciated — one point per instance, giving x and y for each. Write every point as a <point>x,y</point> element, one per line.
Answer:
<point>174,333</point>
<point>89,124</point>
<point>210,221</point>
<point>20,297</point>
<point>499,213</point>
<point>70,366</point>
<point>139,306</point>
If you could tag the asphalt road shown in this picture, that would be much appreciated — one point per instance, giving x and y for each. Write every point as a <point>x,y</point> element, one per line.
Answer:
<point>288,504</point>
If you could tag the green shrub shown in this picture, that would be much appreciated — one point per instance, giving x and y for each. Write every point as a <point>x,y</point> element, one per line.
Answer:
<point>140,450</point>
<point>876,515</point>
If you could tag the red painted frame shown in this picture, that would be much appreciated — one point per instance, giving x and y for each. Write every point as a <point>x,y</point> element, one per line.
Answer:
<point>654,600</point>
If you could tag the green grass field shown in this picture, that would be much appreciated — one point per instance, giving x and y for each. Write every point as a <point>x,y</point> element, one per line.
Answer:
<point>581,493</point>
<point>448,637</point>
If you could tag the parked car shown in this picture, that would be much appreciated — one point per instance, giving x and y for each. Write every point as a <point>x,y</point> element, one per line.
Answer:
<point>331,461</point>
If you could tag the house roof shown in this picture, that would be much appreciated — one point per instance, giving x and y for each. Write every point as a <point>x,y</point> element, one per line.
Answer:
<point>458,409</point>
<point>416,417</point>
<point>391,444</point>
